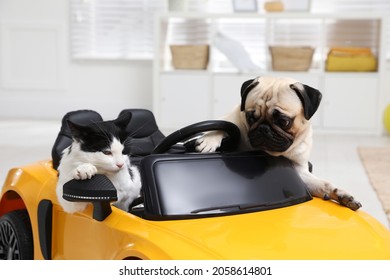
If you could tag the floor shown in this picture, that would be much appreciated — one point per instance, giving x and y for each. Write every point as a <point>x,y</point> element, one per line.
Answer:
<point>334,157</point>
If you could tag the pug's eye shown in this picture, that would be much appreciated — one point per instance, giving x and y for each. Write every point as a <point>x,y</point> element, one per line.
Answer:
<point>284,123</point>
<point>281,120</point>
<point>250,117</point>
<point>107,153</point>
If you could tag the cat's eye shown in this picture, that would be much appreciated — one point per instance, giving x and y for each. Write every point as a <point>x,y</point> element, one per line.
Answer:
<point>107,153</point>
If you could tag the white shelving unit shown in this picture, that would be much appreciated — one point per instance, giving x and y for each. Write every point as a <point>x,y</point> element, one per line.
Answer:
<point>352,101</point>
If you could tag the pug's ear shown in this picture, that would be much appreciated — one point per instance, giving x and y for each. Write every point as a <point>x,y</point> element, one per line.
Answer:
<point>310,98</point>
<point>245,89</point>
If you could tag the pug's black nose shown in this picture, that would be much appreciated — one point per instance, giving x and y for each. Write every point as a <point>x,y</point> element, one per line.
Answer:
<point>265,130</point>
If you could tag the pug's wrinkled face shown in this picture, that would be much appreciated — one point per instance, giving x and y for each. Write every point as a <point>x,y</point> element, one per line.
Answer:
<point>277,111</point>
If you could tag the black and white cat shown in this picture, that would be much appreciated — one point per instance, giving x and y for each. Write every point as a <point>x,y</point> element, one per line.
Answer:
<point>98,148</point>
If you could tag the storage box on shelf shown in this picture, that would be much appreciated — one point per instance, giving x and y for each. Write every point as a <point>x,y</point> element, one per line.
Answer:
<point>213,90</point>
<point>291,58</point>
<point>273,6</point>
<point>190,56</point>
<point>351,60</point>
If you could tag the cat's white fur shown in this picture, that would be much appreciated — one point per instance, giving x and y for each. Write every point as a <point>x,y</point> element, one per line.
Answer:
<point>81,165</point>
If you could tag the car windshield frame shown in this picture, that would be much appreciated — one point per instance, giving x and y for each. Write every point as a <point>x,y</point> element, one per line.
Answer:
<point>183,186</point>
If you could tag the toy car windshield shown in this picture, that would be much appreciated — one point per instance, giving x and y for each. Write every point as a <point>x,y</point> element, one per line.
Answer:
<point>189,186</point>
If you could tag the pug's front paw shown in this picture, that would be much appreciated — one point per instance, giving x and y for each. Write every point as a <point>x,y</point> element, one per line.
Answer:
<point>350,202</point>
<point>209,142</point>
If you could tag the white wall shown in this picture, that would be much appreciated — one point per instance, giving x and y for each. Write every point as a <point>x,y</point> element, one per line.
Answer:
<point>39,79</point>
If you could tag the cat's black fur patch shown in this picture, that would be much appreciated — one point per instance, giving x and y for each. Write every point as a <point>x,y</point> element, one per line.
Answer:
<point>70,149</point>
<point>131,174</point>
<point>98,136</point>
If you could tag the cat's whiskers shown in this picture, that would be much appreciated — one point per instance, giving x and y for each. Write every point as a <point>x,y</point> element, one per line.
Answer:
<point>139,128</point>
<point>135,148</point>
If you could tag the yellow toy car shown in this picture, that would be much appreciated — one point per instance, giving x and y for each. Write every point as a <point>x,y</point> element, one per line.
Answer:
<point>223,205</point>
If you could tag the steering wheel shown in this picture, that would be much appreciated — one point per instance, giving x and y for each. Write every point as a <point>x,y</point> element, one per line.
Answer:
<point>228,143</point>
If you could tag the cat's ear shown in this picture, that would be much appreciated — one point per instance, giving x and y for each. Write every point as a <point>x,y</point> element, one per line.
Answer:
<point>77,131</point>
<point>123,120</point>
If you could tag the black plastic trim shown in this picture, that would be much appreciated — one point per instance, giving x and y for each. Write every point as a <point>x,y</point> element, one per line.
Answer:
<point>45,226</point>
<point>99,190</point>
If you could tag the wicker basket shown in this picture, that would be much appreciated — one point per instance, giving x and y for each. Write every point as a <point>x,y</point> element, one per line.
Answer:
<point>291,58</point>
<point>190,56</point>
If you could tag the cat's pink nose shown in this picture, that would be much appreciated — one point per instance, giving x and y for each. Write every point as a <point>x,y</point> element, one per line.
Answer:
<point>119,165</point>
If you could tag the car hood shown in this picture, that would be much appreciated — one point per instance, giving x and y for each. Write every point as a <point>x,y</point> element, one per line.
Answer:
<point>313,230</point>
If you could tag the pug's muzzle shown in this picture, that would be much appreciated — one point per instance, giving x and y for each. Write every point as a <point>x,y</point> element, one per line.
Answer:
<point>266,138</point>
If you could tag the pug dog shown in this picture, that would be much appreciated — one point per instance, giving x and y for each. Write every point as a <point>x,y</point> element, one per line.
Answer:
<point>274,116</point>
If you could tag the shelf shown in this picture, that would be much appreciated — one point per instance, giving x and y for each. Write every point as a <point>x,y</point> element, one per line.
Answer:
<point>185,72</point>
<point>276,15</point>
<point>215,90</point>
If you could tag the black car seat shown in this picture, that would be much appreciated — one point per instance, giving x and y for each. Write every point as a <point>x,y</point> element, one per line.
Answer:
<point>143,134</point>
<point>64,138</point>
